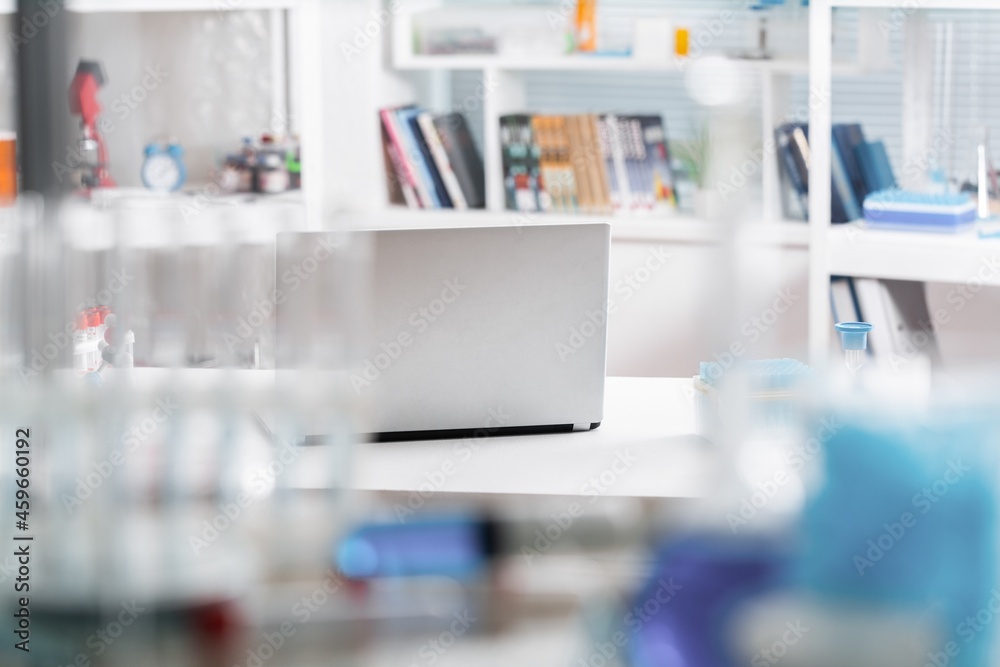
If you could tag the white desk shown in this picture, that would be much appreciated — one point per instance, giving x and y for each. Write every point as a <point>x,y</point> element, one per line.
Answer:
<point>645,447</point>
<point>648,429</point>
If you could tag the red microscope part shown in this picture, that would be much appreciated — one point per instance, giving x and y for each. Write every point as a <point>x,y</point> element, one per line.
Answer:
<point>87,81</point>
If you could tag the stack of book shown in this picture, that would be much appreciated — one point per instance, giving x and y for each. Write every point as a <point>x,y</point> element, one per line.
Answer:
<point>431,160</point>
<point>859,168</point>
<point>586,163</point>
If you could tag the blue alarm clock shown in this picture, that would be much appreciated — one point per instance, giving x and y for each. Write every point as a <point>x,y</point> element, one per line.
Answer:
<point>163,169</point>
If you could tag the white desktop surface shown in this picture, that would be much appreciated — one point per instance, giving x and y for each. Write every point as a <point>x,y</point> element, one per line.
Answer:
<point>648,428</point>
<point>645,447</point>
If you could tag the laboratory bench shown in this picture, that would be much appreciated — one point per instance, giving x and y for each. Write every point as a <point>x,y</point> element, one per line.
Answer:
<point>646,446</point>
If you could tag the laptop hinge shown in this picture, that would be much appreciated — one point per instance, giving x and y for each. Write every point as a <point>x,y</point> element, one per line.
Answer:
<point>582,427</point>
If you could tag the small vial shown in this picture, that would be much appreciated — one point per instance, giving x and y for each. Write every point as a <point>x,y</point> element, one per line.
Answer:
<point>854,341</point>
<point>855,360</point>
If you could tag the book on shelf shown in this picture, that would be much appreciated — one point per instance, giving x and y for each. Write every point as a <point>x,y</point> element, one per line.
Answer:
<point>520,156</point>
<point>902,330</point>
<point>466,162</point>
<point>431,161</point>
<point>844,300</point>
<point>441,161</point>
<point>585,163</point>
<point>857,169</point>
<point>847,137</point>
<point>876,170</point>
<point>402,174</point>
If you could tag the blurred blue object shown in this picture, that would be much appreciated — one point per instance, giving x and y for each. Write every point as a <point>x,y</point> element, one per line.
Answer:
<point>763,374</point>
<point>682,616</point>
<point>906,521</point>
<point>853,335</point>
<point>457,546</point>
<point>854,341</point>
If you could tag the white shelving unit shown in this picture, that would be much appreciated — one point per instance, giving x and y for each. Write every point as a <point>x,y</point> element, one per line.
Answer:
<point>504,91</point>
<point>854,250</point>
<point>292,95</point>
<point>940,258</point>
<point>178,5</point>
<point>586,63</point>
<point>653,229</point>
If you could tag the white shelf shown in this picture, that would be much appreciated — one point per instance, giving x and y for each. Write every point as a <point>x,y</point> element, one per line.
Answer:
<point>586,63</point>
<point>922,4</point>
<point>178,5</point>
<point>664,228</point>
<point>943,258</point>
<point>650,421</point>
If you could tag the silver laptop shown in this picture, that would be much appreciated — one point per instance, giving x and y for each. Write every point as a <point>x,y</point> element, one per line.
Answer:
<point>485,330</point>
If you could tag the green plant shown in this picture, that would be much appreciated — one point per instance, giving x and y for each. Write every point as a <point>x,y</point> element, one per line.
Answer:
<point>694,154</point>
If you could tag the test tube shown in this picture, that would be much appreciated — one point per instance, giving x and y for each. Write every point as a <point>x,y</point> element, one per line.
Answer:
<point>854,341</point>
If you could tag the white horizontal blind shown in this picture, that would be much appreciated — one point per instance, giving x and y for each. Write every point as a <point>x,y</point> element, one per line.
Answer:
<point>875,100</point>
<point>975,87</point>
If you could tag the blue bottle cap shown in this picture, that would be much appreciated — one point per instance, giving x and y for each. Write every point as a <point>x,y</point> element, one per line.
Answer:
<point>853,335</point>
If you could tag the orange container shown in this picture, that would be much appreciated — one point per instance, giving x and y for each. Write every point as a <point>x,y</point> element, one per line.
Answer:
<point>586,25</point>
<point>8,168</point>
<point>682,42</point>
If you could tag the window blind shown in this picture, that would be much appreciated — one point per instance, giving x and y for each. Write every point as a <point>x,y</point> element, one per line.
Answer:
<point>875,100</point>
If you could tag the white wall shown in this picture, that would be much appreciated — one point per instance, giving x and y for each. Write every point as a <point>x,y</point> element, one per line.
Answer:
<point>967,334</point>
<point>214,86</point>
<point>681,315</point>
